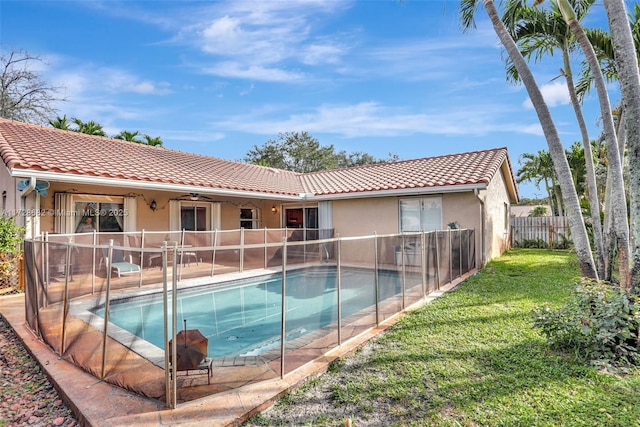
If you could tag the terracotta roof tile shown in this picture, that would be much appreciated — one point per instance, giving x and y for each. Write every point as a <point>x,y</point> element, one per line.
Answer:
<point>476,167</point>
<point>25,146</point>
<point>31,147</point>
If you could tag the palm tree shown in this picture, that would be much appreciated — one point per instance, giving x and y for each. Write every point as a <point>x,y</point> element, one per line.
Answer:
<point>539,169</point>
<point>628,72</point>
<point>60,123</point>
<point>126,135</point>
<point>618,199</point>
<point>90,127</point>
<point>556,150</point>
<point>153,141</point>
<point>542,31</point>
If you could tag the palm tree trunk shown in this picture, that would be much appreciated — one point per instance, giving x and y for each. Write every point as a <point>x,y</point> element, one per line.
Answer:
<point>618,198</point>
<point>629,76</point>
<point>592,190</point>
<point>556,150</point>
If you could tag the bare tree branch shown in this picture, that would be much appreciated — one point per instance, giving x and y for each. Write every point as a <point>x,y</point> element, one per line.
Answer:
<point>24,96</point>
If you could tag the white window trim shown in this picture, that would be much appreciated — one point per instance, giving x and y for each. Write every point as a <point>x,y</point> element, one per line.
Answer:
<point>256,217</point>
<point>175,210</point>
<point>66,214</point>
<point>421,201</point>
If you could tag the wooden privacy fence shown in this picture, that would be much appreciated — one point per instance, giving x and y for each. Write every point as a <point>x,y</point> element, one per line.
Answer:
<point>533,231</point>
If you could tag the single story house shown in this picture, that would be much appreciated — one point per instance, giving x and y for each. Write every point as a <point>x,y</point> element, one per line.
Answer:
<point>60,181</point>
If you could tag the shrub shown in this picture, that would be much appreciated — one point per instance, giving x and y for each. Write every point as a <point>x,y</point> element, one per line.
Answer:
<point>532,243</point>
<point>600,323</point>
<point>564,243</point>
<point>10,250</point>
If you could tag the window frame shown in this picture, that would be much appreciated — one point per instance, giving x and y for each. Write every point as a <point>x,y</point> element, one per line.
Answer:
<point>419,223</point>
<point>254,220</point>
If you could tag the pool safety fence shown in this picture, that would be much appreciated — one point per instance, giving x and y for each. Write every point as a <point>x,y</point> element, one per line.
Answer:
<point>273,299</point>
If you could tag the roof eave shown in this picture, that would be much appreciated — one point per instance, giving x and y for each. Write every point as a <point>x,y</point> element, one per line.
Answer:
<point>147,185</point>
<point>462,188</point>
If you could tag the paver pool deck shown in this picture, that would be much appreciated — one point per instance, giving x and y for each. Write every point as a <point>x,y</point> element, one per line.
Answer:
<point>98,403</point>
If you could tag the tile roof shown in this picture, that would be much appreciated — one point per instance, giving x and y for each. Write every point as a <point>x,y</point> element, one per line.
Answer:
<point>26,146</point>
<point>473,168</point>
<point>36,148</point>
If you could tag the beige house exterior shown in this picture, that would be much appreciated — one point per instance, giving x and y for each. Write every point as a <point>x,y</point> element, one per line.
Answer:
<point>52,180</point>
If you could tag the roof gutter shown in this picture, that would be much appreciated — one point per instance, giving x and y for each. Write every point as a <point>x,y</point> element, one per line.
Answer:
<point>402,192</point>
<point>145,185</point>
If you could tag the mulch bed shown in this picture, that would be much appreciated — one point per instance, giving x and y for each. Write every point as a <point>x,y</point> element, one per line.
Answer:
<point>27,398</point>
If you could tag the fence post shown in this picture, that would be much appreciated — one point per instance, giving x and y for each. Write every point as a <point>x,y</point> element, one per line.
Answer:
<point>450,257</point>
<point>46,264</point>
<point>65,300</point>
<point>423,263</point>
<point>402,253</point>
<point>213,251</point>
<point>339,284</point>
<point>35,285</point>
<point>284,306</point>
<point>174,323</point>
<point>376,278</point>
<point>168,371</point>
<point>241,264</point>
<point>437,260</point>
<point>265,248</point>
<point>93,262</point>
<point>105,330</point>
<point>459,252</point>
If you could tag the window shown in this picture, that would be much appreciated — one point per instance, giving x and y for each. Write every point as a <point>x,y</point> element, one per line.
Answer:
<point>193,218</point>
<point>99,216</point>
<point>81,213</point>
<point>249,218</point>
<point>421,214</point>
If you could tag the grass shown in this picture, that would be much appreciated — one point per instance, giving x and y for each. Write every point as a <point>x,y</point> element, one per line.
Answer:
<point>472,358</point>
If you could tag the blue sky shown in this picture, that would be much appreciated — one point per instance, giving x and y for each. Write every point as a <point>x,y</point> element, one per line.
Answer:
<point>217,78</point>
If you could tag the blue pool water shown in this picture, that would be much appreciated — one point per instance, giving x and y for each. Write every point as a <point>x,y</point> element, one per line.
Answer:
<point>243,319</point>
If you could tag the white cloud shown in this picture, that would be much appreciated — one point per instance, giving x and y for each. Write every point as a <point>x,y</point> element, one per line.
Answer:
<point>370,119</point>
<point>253,72</point>
<point>554,94</point>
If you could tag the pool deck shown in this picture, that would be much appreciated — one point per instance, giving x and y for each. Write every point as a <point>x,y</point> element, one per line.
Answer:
<point>98,403</point>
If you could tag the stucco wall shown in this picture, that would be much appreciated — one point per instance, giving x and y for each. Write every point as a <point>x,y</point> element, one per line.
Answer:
<point>158,220</point>
<point>12,199</point>
<point>497,216</point>
<point>362,217</point>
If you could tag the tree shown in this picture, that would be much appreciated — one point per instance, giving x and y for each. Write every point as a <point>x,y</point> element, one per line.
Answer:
<point>300,152</point>
<point>618,199</point>
<point>24,96</point>
<point>153,141</point>
<point>539,169</point>
<point>90,127</point>
<point>126,135</point>
<point>556,149</point>
<point>629,76</point>
<point>539,211</point>
<point>539,32</point>
<point>60,123</point>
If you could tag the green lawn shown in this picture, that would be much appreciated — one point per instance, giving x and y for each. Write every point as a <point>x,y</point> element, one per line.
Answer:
<point>472,358</point>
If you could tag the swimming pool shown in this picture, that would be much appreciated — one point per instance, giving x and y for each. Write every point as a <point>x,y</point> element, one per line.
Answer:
<point>243,318</point>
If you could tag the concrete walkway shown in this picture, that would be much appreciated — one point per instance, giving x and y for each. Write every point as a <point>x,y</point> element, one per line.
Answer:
<point>97,403</point>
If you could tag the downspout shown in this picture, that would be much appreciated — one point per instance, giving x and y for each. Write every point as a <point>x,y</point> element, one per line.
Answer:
<point>476,193</point>
<point>25,217</point>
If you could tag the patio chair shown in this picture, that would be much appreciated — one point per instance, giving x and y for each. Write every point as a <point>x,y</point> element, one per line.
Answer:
<point>119,263</point>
